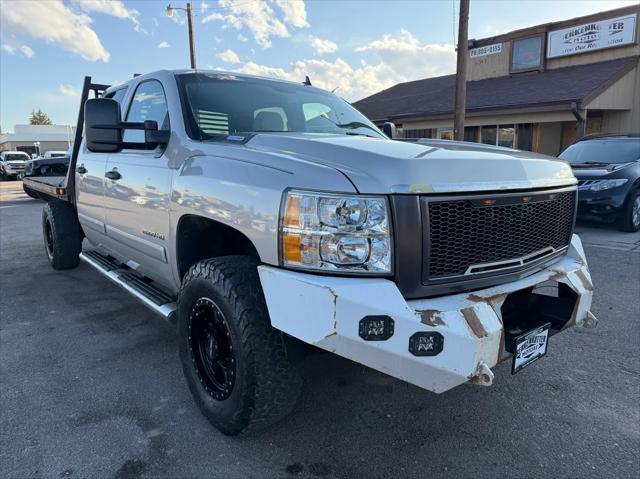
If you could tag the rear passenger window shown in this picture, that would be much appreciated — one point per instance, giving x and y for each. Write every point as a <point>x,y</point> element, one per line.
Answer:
<point>149,103</point>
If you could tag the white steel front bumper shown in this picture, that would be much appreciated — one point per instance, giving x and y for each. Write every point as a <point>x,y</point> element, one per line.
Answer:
<point>325,311</point>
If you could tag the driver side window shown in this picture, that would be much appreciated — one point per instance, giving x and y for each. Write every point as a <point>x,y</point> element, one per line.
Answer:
<point>148,103</point>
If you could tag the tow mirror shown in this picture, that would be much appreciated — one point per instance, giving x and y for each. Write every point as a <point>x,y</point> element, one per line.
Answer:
<point>101,120</point>
<point>389,129</point>
<point>104,129</point>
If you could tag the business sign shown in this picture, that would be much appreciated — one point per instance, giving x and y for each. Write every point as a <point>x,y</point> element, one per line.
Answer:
<point>486,50</point>
<point>592,36</point>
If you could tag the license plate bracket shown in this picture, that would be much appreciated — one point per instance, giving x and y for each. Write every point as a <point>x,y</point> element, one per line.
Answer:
<point>529,347</point>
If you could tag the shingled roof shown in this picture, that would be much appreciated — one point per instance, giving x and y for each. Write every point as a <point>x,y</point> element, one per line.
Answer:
<point>434,96</point>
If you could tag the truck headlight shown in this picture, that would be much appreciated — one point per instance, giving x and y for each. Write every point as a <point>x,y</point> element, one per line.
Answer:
<point>333,232</point>
<point>607,184</point>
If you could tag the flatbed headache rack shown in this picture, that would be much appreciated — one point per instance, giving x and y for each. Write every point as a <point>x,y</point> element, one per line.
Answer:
<point>63,187</point>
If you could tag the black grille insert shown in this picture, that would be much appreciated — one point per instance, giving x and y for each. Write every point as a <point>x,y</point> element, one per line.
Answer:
<point>488,234</point>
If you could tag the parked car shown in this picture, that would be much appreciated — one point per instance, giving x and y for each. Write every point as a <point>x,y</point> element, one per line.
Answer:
<point>608,172</point>
<point>12,163</point>
<point>261,215</point>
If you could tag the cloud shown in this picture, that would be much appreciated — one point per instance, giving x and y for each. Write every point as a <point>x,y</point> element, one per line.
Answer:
<point>55,23</point>
<point>410,59</point>
<point>27,51</point>
<point>260,19</point>
<point>163,44</point>
<point>352,83</point>
<point>229,56</point>
<point>295,12</point>
<point>69,91</point>
<point>12,49</point>
<point>397,58</point>
<point>242,38</point>
<point>114,8</point>
<point>323,46</point>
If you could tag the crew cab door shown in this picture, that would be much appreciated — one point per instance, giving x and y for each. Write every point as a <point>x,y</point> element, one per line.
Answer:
<point>90,186</point>
<point>137,190</point>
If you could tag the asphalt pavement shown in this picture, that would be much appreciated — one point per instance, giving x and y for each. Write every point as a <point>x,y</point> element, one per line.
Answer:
<point>91,387</point>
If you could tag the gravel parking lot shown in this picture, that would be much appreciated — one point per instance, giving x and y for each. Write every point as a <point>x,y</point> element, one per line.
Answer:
<point>91,386</point>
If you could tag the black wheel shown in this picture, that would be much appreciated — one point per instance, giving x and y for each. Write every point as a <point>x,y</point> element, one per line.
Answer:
<point>630,220</point>
<point>62,235</point>
<point>235,363</point>
<point>32,193</point>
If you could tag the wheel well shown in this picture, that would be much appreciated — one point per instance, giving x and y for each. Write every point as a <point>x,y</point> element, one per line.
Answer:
<point>200,238</point>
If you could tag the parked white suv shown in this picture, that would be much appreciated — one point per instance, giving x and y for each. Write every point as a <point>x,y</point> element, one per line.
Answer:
<point>12,163</point>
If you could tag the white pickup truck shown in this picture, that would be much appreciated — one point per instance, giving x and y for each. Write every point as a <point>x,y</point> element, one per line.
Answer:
<point>261,214</point>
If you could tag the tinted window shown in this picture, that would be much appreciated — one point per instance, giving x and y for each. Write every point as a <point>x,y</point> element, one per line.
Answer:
<point>149,103</point>
<point>603,151</point>
<point>220,104</point>
<point>15,157</point>
<point>526,54</point>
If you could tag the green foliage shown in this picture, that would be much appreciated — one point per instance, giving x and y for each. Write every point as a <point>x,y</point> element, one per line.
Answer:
<point>39,118</point>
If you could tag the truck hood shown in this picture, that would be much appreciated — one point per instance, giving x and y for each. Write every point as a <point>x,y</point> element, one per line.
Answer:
<point>386,166</point>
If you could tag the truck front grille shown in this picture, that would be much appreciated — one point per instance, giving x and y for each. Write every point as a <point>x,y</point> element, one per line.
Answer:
<point>469,236</point>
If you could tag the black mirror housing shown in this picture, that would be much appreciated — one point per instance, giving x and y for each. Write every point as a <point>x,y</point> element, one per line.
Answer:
<point>389,129</point>
<point>101,120</point>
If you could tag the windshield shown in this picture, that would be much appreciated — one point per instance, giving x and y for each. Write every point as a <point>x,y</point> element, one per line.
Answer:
<point>621,150</point>
<point>223,104</point>
<point>16,157</point>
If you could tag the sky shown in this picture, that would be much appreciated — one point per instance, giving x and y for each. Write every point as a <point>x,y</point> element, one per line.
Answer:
<point>357,47</point>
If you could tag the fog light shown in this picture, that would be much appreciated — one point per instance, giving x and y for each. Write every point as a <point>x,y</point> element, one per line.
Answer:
<point>376,328</point>
<point>426,344</point>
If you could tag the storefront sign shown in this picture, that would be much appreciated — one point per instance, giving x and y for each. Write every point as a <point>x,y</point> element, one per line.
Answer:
<point>592,36</point>
<point>486,50</point>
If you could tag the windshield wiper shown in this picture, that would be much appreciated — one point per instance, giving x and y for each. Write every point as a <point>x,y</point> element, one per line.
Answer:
<point>352,126</point>
<point>589,163</point>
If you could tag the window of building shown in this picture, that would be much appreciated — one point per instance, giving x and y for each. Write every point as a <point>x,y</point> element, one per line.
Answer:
<point>488,135</point>
<point>445,133</point>
<point>526,54</point>
<point>499,135</point>
<point>506,135</point>
<point>417,133</point>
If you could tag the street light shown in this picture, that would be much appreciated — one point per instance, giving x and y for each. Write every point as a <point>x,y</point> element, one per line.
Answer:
<point>192,49</point>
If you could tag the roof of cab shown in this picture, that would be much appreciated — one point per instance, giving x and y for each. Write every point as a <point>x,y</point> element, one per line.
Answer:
<point>219,73</point>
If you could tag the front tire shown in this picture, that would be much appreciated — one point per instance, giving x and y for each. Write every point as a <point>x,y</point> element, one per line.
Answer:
<point>62,235</point>
<point>630,220</point>
<point>235,363</point>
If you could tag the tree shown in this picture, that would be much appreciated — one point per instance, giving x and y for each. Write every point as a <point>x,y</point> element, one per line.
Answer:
<point>39,118</point>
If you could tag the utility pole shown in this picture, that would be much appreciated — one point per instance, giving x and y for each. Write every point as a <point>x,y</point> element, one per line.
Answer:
<point>461,71</point>
<point>192,48</point>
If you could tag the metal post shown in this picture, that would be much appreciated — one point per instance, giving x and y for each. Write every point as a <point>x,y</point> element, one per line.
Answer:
<point>461,71</point>
<point>192,48</point>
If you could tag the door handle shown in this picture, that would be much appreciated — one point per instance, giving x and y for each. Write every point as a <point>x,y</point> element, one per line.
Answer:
<point>113,175</point>
<point>81,169</point>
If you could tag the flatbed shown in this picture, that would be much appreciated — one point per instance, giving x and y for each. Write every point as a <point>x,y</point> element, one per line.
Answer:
<point>48,186</point>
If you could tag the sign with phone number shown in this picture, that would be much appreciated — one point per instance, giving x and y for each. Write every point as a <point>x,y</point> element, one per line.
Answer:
<point>486,50</point>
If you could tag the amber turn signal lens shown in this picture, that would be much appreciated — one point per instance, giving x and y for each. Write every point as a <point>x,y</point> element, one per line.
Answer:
<point>292,212</point>
<point>292,248</point>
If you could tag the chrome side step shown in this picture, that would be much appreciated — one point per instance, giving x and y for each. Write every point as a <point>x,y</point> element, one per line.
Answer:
<point>148,294</point>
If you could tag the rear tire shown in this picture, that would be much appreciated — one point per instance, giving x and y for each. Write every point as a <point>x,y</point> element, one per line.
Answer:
<point>62,235</point>
<point>32,193</point>
<point>235,363</point>
<point>630,220</point>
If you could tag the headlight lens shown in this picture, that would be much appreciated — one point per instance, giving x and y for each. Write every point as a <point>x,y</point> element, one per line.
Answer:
<point>607,184</point>
<point>330,232</point>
